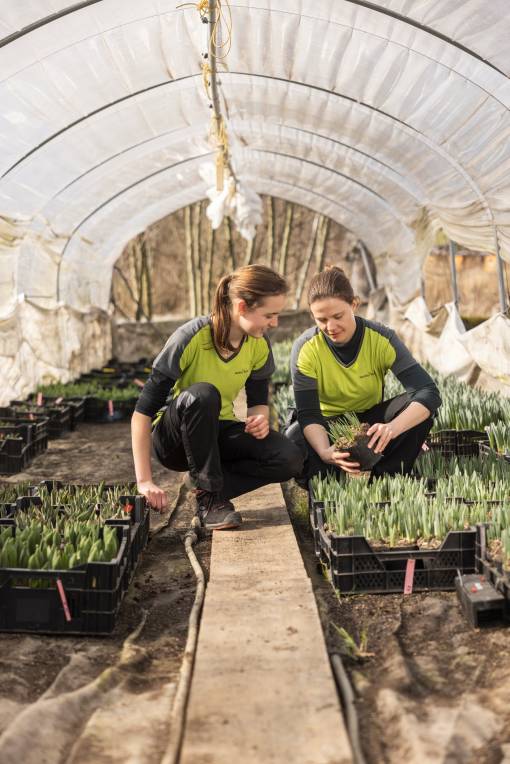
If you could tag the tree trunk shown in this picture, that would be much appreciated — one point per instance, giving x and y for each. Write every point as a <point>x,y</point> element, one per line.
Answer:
<point>250,248</point>
<point>287,230</point>
<point>211,241</point>
<point>322,240</point>
<point>189,262</point>
<point>196,216</point>
<point>306,263</point>
<point>270,232</point>
<point>230,243</point>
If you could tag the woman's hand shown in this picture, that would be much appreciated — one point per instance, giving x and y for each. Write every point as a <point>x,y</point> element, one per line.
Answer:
<point>381,436</point>
<point>339,459</point>
<point>258,426</point>
<point>156,497</point>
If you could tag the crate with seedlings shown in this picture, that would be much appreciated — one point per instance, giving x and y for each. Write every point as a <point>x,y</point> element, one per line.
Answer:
<point>498,444</point>
<point>493,551</point>
<point>58,415</point>
<point>283,402</point>
<point>114,504</point>
<point>57,394</point>
<point>32,428</point>
<point>65,577</point>
<point>369,533</point>
<point>80,524</point>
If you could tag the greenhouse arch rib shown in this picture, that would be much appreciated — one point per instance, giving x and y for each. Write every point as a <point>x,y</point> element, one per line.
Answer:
<point>357,104</point>
<point>43,21</point>
<point>204,157</point>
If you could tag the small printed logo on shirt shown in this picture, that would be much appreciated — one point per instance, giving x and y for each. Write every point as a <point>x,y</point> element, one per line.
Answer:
<point>242,371</point>
<point>370,374</point>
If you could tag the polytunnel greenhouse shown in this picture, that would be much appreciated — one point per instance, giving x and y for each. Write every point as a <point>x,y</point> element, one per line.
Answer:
<point>255,366</point>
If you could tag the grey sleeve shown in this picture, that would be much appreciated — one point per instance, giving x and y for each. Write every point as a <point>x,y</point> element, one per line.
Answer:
<point>154,394</point>
<point>267,369</point>
<point>420,387</point>
<point>168,361</point>
<point>306,391</point>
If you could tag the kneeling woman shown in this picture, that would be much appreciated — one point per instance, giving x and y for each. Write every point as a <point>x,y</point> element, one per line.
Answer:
<point>339,366</point>
<point>204,365</point>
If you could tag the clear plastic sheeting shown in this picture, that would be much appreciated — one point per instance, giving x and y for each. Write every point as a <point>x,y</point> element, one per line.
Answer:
<point>391,117</point>
<point>39,346</point>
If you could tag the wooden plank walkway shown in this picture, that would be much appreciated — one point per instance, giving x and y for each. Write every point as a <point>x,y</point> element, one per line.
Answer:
<point>262,691</point>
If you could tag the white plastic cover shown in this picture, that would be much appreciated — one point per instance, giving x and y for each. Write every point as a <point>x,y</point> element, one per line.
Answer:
<point>391,117</point>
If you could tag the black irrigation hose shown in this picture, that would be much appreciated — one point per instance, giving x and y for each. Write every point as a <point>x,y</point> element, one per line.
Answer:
<point>348,703</point>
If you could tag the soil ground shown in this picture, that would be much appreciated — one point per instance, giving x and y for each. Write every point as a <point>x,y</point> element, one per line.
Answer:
<point>54,680</point>
<point>433,689</point>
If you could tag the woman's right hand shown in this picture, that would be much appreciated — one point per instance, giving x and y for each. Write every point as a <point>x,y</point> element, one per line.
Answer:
<point>339,459</point>
<point>155,496</point>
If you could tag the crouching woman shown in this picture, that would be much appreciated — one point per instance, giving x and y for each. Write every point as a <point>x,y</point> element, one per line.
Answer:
<point>204,365</point>
<point>339,366</point>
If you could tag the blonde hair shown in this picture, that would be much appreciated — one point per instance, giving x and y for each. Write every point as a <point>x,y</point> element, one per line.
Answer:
<point>251,283</point>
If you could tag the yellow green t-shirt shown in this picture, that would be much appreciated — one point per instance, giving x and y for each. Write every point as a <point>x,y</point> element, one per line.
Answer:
<point>190,356</point>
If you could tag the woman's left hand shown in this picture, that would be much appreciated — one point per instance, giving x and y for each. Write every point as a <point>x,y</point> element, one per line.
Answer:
<point>381,436</point>
<point>258,426</point>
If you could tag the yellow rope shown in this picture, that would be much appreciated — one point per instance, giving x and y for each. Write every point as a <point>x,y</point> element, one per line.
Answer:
<point>225,19</point>
<point>206,73</point>
<point>202,7</point>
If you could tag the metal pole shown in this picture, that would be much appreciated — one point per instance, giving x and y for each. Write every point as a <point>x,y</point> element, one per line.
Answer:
<point>213,64</point>
<point>366,265</point>
<point>453,273</point>
<point>503,298</point>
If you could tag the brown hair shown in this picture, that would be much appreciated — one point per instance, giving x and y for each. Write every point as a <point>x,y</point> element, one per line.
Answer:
<point>251,283</point>
<point>331,282</point>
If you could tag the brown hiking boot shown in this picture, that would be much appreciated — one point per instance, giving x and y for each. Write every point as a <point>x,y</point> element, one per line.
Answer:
<point>216,513</point>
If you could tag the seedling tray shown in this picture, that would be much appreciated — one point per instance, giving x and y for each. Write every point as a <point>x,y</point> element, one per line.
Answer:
<point>100,411</point>
<point>93,593</point>
<point>486,452</point>
<point>493,570</point>
<point>15,456</point>
<point>76,406</point>
<point>355,567</point>
<point>59,417</point>
<point>35,429</point>
<point>457,442</point>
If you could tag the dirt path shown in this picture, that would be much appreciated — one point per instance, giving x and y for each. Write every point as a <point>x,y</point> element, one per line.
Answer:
<point>69,699</point>
<point>434,691</point>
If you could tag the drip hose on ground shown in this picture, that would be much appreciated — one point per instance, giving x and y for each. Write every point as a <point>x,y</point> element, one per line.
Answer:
<point>348,703</point>
<point>178,714</point>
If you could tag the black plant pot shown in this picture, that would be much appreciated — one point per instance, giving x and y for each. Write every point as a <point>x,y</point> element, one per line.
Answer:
<point>361,453</point>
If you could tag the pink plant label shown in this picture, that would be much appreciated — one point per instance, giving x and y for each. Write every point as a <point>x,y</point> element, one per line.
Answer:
<point>59,400</point>
<point>409,579</point>
<point>63,599</point>
<point>110,408</point>
<point>139,382</point>
<point>39,399</point>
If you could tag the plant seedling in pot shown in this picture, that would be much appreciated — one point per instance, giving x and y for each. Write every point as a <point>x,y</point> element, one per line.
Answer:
<point>350,435</point>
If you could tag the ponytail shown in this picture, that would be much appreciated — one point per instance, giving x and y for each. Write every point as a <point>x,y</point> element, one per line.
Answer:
<point>251,283</point>
<point>221,315</point>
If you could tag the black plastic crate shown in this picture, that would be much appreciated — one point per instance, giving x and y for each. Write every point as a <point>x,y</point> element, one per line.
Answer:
<point>15,456</point>
<point>456,442</point>
<point>493,570</point>
<point>38,423</point>
<point>486,452</point>
<point>355,567</point>
<point>100,411</point>
<point>59,417</point>
<point>24,609</point>
<point>76,406</point>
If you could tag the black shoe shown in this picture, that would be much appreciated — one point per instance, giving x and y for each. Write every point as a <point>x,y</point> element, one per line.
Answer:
<point>215,513</point>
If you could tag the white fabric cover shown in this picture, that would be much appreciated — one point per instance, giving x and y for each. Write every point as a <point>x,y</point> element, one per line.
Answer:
<point>43,346</point>
<point>390,117</point>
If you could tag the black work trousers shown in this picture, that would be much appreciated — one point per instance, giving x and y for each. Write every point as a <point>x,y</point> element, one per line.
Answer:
<point>399,455</point>
<point>219,454</point>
